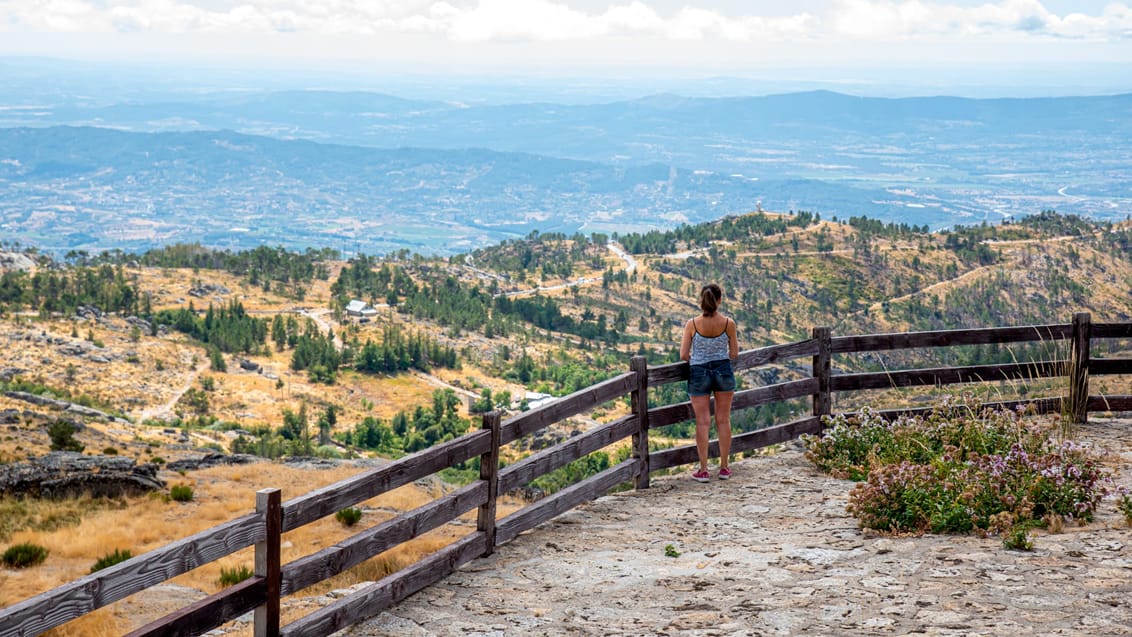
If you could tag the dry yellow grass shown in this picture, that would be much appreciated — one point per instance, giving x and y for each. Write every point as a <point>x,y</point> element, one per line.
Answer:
<point>220,494</point>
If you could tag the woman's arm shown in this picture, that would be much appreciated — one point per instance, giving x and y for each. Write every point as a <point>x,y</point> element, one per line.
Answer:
<point>732,339</point>
<point>686,342</point>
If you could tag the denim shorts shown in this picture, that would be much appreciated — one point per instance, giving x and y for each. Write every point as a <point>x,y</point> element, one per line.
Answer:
<point>710,377</point>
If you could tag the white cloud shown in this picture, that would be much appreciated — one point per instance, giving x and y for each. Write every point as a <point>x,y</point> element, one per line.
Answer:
<point>557,20</point>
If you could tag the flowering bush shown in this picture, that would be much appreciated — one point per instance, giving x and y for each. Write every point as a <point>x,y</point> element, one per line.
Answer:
<point>958,470</point>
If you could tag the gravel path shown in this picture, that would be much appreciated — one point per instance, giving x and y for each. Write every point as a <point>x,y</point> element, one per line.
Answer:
<point>772,552</point>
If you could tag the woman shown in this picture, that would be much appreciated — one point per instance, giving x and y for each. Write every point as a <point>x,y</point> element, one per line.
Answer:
<point>709,346</point>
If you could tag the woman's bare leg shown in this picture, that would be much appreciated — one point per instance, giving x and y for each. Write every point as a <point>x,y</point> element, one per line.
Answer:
<point>701,406</point>
<point>723,426</point>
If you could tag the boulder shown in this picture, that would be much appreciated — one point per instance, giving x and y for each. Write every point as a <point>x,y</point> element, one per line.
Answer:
<point>62,474</point>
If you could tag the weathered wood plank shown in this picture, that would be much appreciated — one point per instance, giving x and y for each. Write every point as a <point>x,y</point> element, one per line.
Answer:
<point>381,595</point>
<point>1112,330</point>
<point>676,372</point>
<point>576,403</point>
<point>74,599</point>
<point>358,548</point>
<point>678,456</point>
<point>946,338</point>
<point>1105,366</point>
<point>547,460</point>
<point>1078,371</point>
<point>668,373</point>
<point>564,500</point>
<point>489,476</point>
<point>640,408</point>
<point>208,613</point>
<point>670,414</point>
<point>948,375</point>
<point>746,399</point>
<point>1110,403</point>
<point>822,371</point>
<point>776,354</point>
<point>268,554</point>
<point>346,493</point>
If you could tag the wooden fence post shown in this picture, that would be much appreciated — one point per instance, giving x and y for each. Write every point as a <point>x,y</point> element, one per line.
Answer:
<point>269,504</point>
<point>640,407</point>
<point>822,370</point>
<point>489,472</point>
<point>1079,368</point>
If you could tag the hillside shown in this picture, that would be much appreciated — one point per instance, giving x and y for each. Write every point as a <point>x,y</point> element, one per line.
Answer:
<point>543,315</point>
<point>188,351</point>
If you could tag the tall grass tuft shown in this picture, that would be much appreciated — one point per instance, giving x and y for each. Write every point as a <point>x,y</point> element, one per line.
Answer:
<point>110,559</point>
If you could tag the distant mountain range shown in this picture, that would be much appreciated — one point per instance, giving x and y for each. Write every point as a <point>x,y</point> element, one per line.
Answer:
<point>374,172</point>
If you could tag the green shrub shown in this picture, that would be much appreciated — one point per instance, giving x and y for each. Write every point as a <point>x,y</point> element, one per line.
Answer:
<point>232,576</point>
<point>349,516</point>
<point>181,493</point>
<point>110,559</point>
<point>62,434</point>
<point>110,451</point>
<point>24,555</point>
<point>1018,538</point>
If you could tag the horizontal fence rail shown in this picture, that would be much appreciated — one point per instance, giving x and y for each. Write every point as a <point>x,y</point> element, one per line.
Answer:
<point>950,338</point>
<point>263,528</point>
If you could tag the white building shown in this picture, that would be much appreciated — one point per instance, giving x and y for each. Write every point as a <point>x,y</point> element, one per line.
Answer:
<point>360,309</point>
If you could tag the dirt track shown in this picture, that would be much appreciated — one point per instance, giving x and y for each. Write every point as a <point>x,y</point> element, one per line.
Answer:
<point>772,552</point>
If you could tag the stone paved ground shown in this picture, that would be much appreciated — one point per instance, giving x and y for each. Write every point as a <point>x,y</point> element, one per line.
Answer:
<point>772,552</point>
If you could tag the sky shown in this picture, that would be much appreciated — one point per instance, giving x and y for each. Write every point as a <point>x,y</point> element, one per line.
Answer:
<point>1047,41</point>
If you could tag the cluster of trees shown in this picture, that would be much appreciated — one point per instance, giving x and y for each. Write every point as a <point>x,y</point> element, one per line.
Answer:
<point>263,265</point>
<point>726,229</point>
<point>411,430</point>
<point>228,328</point>
<point>317,353</point>
<point>558,373</point>
<point>399,352</point>
<point>551,255</point>
<point>877,228</point>
<point>372,279</point>
<point>293,437</point>
<point>443,298</point>
<point>320,355</point>
<point>48,290</point>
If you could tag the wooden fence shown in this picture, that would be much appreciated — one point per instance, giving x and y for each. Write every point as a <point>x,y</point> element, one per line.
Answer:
<point>273,517</point>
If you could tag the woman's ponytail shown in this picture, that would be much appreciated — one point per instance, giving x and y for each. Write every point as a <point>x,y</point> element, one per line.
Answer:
<point>710,296</point>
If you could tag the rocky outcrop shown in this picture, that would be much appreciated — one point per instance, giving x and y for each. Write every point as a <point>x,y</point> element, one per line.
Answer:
<point>203,290</point>
<point>62,405</point>
<point>8,373</point>
<point>15,261</point>
<point>63,474</point>
<point>211,460</point>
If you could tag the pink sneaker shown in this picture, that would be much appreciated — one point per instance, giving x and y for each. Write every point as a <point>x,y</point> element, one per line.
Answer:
<point>724,474</point>
<point>701,476</point>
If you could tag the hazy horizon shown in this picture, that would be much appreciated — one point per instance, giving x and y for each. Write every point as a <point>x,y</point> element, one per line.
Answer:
<point>1009,48</point>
